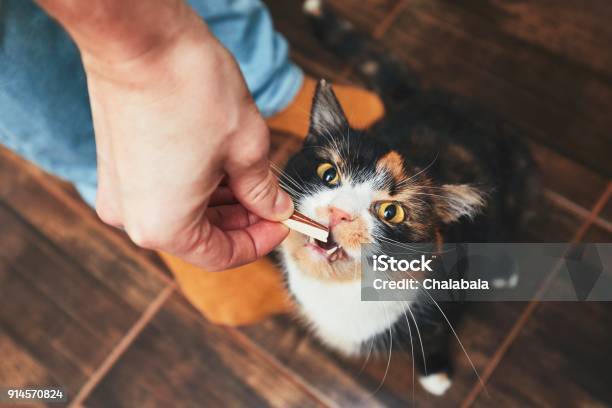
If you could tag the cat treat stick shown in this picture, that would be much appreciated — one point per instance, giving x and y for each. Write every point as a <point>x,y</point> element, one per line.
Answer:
<point>307,226</point>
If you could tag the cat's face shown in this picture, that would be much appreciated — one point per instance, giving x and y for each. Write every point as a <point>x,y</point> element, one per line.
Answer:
<point>364,192</point>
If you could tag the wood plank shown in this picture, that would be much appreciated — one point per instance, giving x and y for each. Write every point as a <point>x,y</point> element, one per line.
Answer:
<point>306,51</point>
<point>514,61</point>
<point>96,307</point>
<point>560,359</point>
<point>560,104</point>
<point>181,360</point>
<point>64,321</point>
<point>75,229</point>
<point>550,223</point>
<point>50,335</point>
<point>577,31</point>
<point>557,358</point>
<point>606,213</point>
<point>291,345</point>
<point>566,177</point>
<point>366,15</point>
<point>68,291</point>
<point>18,368</point>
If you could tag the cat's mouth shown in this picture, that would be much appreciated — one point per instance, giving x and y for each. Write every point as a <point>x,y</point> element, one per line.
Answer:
<point>331,250</point>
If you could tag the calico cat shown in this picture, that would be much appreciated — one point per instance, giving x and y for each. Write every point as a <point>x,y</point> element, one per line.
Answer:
<point>428,172</point>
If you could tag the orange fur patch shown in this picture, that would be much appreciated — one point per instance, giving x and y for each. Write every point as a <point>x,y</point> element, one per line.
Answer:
<point>352,234</point>
<point>394,164</point>
<point>318,267</point>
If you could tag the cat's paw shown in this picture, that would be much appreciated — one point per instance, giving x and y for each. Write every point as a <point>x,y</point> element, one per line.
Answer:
<point>507,282</point>
<point>435,384</point>
<point>312,7</point>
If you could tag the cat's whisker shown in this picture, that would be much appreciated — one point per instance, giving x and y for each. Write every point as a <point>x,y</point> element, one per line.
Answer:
<point>328,136</point>
<point>284,178</point>
<point>454,333</point>
<point>367,358</point>
<point>283,174</point>
<point>303,183</point>
<point>417,250</point>
<point>391,240</point>
<point>428,187</point>
<point>288,189</point>
<point>421,171</point>
<point>348,152</point>
<point>334,143</point>
<point>382,382</point>
<point>416,325</point>
<point>411,352</point>
<point>406,303</point>
<point>297,189</point>
<point>285,182</point>
<point>397,243</point>
<point>460,343</point>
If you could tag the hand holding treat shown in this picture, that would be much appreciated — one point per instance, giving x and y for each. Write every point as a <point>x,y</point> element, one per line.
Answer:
<point>167,136</point>
<point>307,226</point>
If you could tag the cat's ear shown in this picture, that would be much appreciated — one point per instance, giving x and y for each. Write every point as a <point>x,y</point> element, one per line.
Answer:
<point>454,201</point>
<point>326,115</point>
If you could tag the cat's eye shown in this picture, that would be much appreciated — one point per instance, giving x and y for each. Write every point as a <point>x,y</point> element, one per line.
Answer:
<point>328,173</point>
<point>391,212</point>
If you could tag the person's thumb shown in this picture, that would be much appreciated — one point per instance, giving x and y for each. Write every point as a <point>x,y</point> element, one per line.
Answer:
<point>257,189</point>
<point>255,186</point>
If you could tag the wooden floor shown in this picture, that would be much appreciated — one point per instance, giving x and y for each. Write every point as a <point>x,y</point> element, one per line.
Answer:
<point>83,308</point>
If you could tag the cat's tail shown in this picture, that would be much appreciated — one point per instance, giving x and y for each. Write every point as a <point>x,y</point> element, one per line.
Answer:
<point>375,65</point>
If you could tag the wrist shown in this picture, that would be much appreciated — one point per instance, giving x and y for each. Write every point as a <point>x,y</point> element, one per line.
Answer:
<point>116,32</point>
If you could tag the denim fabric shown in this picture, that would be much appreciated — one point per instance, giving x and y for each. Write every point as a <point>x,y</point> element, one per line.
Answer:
<point>44,108</point>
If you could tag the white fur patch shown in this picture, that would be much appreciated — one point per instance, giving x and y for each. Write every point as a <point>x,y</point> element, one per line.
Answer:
<point>312,7</point>
<point>334,308</point>
<point>506,283</point>
<point>336,312</point>
<point>436,384</point>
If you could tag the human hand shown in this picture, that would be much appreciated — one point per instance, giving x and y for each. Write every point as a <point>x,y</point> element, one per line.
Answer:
<point>182,149</point>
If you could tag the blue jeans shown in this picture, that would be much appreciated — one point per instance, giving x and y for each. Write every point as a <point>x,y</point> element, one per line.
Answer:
<point>44,107</point>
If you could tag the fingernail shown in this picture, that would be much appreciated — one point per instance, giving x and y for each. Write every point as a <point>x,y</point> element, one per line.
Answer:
<point>283,205</point>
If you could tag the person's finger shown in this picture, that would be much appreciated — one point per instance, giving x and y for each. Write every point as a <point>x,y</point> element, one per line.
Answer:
<point>231,217</point>
<point>222,196</point>
<point>223,182</point>
<point>253,183</point>
<point>258,190</point>
<point>228,249</point>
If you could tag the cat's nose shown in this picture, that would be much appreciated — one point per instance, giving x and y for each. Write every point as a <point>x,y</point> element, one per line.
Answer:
<point>336,216</point>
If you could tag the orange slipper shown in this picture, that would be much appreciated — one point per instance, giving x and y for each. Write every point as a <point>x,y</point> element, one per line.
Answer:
<point>233,297</point>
